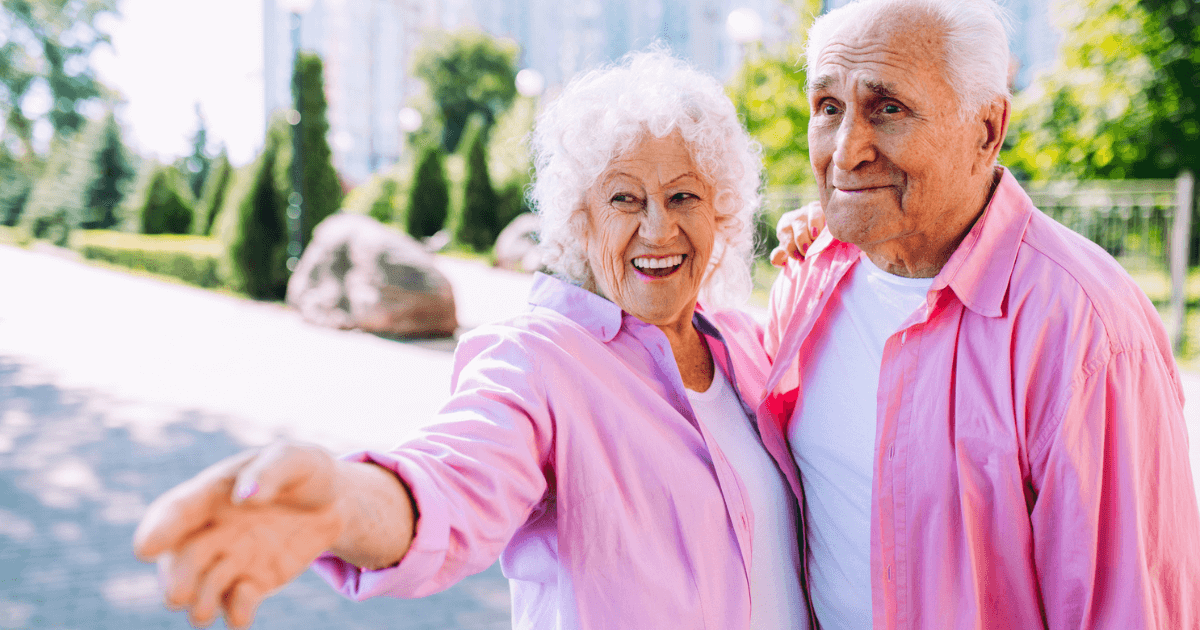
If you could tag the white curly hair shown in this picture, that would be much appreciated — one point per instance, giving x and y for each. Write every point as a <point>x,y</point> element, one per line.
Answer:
<point>603,113</point>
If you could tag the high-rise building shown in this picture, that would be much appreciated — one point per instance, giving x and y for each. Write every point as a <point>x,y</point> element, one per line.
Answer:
<point>367,47</point>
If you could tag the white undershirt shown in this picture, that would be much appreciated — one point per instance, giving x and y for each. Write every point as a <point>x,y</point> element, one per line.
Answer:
<point>832,435</point>
<point>776,599</point>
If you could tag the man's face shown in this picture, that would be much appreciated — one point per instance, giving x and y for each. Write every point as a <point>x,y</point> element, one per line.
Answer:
<point>892,158</point>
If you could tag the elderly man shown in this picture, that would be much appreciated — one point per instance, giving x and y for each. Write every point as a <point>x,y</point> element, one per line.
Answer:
<point>984,407</point>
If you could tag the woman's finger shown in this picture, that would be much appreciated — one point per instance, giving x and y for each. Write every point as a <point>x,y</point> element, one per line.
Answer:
<point>186,508</point>
<point>218,581</point>
<point>301,474</point>
<point>241,603</point>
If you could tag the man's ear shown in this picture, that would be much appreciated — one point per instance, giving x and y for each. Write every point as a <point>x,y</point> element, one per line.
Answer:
<point>994,127</point>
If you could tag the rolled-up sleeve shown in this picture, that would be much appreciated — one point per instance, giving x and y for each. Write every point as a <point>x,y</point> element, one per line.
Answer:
<point>1115,517</point>
<point>476,472</point>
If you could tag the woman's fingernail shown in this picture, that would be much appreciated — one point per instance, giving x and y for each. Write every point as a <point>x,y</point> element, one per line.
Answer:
<point>246,490</point>
<point>814,231</point>
<point>797,254</point>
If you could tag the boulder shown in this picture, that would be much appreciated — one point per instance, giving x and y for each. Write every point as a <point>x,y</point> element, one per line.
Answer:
<point>517,246</point>
<point>359,273</point>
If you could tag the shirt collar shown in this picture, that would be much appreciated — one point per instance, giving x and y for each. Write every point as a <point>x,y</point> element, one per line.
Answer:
<point>980,269</point>
<point>599,316</point>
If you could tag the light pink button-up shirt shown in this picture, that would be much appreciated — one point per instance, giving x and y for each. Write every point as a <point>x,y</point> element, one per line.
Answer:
<point>1031,460</point>
<point>569,450</point>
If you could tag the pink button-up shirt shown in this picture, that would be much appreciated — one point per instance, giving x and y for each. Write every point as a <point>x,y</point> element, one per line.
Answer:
<point>1031,459</point>
<point>569,450</point>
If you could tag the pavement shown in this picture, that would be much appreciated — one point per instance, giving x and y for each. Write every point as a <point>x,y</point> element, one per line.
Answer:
<point>115,387</point>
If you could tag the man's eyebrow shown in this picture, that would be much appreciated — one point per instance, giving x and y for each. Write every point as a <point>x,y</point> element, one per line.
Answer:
<point>881,89</point>
<point>820,83</point>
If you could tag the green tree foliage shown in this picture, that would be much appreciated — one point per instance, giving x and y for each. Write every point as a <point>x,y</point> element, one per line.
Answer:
<point>480,223</point>
<point>167,210</point>
<point>429,198</point>
<point>383,207</point>
<point>320,186</point>
<point>16,183</point>
<point>1121,101</point>
<point>198,163</point>
<point>467,72</point>
<point>111,174</point>
<point>212,197</point>
<point>769,94</point>
<point>83,182</point>
<point>45,49</point>
<point>257,236</point>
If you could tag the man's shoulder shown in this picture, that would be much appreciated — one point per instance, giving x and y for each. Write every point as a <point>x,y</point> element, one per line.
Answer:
<point>1070,278</point>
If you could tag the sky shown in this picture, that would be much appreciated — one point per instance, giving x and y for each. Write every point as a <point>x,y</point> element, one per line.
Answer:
<point>167,55</point>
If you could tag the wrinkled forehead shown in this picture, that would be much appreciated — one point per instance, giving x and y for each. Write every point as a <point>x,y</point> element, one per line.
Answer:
<point>890,50</point>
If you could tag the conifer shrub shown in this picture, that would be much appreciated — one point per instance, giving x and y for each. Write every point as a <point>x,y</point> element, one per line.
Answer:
<point>212,197</point>
<point>166,209</point>
<point>429,198</point>
<point>257,236</point>
<point>480,220</point>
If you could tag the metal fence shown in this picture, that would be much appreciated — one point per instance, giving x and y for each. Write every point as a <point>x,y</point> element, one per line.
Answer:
<point>1134,220</point>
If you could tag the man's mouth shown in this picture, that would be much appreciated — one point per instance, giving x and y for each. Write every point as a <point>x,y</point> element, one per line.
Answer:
<point>658,267</point>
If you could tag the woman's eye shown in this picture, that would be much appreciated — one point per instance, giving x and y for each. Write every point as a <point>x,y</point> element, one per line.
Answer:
<point>682,196</point>
<point>622,198</point>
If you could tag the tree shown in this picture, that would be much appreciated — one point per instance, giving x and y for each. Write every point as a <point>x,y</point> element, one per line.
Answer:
<point>212,197</point>
<point>257,242</point>
<point>46,49</point>
<point>111,174</point>
<point>480,222</point>
<point>1121,101</point>
<point>83,182</point>
<point>467,72</point>
<point>198,163</point>
<point>320,186</point>
<point>166,209</point>
<point>429,198</point>
<point>770,94</point>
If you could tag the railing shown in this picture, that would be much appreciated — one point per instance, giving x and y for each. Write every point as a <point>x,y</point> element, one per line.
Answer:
<point>1134,220</point>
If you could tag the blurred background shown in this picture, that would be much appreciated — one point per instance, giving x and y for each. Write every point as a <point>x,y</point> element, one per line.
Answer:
<point>164,165</point>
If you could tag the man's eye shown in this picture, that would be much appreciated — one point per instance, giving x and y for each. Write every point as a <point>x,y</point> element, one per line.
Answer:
<point>891,109</point>
<point>830,110</point>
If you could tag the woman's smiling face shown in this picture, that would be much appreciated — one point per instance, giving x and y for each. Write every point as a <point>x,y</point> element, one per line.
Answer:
<point>651,226</point>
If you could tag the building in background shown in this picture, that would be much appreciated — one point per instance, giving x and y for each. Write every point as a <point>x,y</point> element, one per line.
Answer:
<point>367,47</point>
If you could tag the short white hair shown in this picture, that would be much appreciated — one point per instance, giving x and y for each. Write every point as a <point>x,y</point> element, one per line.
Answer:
<point>975,53</point>
<point>603,113</point>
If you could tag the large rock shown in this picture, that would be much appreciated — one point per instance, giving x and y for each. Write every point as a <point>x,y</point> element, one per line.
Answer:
<point>517,245</point>
<point>358,273</point>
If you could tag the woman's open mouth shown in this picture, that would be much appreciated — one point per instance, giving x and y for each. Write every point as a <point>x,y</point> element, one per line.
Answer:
<point>658,267</point>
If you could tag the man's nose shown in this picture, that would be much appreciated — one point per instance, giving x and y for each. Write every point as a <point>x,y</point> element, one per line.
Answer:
<point>855,143</point>
<point>659,225</point>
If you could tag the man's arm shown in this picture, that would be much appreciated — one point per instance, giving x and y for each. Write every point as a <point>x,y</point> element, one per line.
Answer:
<point>1115,522</point>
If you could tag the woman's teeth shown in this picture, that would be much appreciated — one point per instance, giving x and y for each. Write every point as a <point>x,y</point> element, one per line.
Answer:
<point>658,263</point>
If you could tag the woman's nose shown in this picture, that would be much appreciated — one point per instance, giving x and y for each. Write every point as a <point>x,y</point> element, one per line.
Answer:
<point>659,225</point>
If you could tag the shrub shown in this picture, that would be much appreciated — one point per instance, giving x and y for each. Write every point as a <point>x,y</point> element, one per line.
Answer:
<point>257,236</point>
<point>166,210</point>
<point>193,259</point>
<point>216,185</point>
<point>320,187</point>
<point>429,198</point>
<point>480,222</point>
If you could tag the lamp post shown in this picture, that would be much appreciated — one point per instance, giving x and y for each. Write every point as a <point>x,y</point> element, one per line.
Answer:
<point>745,27</point>
<point>295,209</point>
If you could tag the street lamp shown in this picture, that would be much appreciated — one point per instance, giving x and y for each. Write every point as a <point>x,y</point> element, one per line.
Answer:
<point>295,210</point>
<point>530,83</point>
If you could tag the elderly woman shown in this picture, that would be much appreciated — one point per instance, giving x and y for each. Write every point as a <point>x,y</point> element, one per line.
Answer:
<point>602,445</point>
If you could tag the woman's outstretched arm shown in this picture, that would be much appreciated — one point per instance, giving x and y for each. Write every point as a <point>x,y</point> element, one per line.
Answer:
<point>253,522</point>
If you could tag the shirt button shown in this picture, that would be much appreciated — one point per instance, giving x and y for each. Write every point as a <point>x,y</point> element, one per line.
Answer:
<point>903,337</point>
<point>892,451</point>
<point>889,573</point>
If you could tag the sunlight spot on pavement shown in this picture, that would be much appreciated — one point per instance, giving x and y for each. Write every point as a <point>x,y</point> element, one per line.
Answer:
<point>17,528</point>
<point>133,591</point>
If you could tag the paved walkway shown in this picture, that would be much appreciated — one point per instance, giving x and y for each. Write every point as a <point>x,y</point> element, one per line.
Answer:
<point>114,388</point>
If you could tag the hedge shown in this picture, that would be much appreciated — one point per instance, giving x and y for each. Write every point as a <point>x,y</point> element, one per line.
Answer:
<point>193,259</point>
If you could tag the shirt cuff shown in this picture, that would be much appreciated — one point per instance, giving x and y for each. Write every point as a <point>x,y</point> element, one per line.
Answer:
<point>414,575</point>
